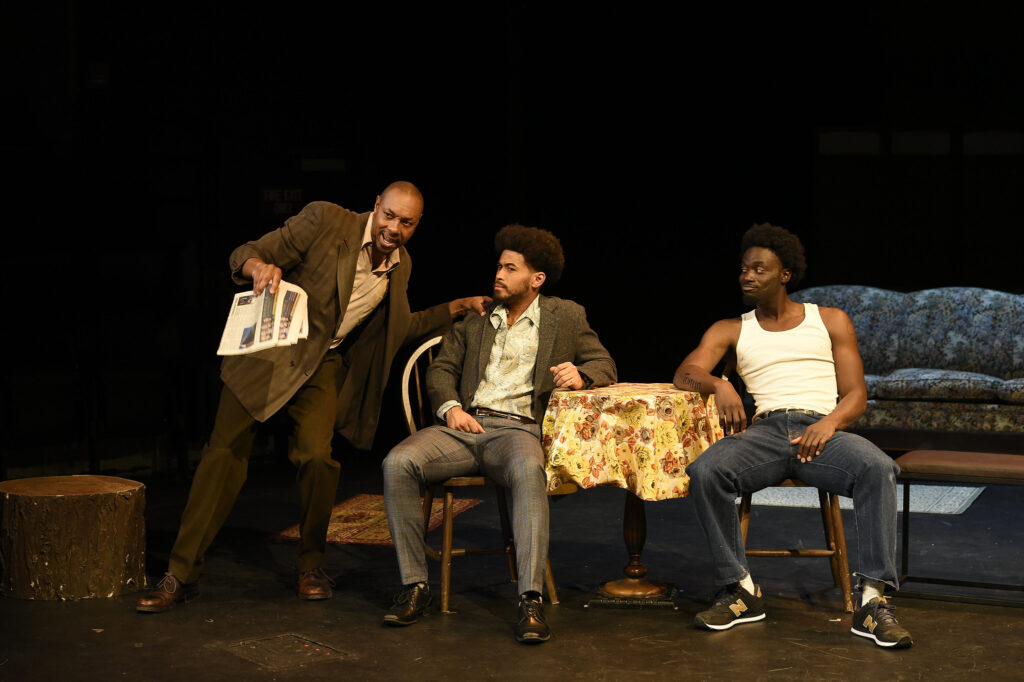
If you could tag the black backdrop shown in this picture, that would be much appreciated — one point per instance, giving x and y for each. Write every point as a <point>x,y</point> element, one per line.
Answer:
<point>145,143</point>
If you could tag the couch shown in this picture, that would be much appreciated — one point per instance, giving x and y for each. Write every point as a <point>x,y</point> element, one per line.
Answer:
<point>944,368</point>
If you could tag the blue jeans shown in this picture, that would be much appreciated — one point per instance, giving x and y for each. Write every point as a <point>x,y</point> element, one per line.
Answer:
<point>763,456</point>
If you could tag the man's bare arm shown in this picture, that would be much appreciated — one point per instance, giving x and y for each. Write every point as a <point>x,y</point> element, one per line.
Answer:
<point>694,373</point>
<point>853,394</point>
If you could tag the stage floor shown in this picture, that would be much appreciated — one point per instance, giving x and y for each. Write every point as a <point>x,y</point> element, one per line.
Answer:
<point>248,623</point>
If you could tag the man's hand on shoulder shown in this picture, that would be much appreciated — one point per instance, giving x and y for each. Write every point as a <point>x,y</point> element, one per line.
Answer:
<point>461,306</point>
<point>567,376</point>
<point>460,420</point>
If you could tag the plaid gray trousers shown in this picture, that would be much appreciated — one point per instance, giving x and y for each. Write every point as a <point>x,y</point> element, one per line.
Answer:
<point>508,453</point>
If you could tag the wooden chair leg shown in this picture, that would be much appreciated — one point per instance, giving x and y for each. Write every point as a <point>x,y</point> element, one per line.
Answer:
<point>825,508</point>
<point>428,503</point>
<point>835,537</point>
<point>905,540</point>
<point>842,561</point>
<point>745,516</point>
<point>446,549</point>
<point>506,532</point>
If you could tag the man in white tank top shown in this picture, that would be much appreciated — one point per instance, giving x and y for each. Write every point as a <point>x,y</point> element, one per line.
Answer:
<point>802,367</point>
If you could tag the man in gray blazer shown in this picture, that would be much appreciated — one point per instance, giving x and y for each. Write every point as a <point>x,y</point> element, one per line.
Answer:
<point>490,383</point>
<point>355,270</point>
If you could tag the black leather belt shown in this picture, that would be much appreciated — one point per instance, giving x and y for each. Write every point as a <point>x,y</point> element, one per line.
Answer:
<point>772,413</point>
<point>484,412</point>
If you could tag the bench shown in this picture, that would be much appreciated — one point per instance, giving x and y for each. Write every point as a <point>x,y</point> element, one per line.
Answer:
<point>951,466</point>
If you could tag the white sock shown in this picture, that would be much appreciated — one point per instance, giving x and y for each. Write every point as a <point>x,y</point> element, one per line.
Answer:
<point>747,584</point>
<point>870,589</point>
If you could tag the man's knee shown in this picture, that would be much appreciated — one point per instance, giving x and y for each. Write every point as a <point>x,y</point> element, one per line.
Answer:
<point>400,463</point>
<point>213,455</point>
<point>881,467</point>
<point>313,456</point>
<point>875,463</point>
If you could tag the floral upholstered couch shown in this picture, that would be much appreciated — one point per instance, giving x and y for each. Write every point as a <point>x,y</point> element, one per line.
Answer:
<point>944,367</point>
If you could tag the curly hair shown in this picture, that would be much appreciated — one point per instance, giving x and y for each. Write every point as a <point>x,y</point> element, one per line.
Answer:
<point>782,243</point>
<point>540,249</point>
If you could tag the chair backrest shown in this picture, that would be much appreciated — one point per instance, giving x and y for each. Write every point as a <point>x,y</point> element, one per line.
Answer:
<point>414,389</point>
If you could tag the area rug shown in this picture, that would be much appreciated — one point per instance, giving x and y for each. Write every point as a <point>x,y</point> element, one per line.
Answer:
<point>361,520</point>
<point>926,499</point>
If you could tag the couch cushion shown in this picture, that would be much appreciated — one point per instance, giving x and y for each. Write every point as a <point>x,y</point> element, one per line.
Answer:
<point>877,316</point>
<point>871,383</point>
<point>941,416</point>
<point>963,328</point>
<point>1011,391</point>
<point>938,384</point>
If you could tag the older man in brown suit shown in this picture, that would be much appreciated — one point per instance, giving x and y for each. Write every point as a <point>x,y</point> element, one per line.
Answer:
<point>355,271</point>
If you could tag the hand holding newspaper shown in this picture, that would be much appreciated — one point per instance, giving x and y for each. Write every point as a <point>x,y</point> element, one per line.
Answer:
<point>258,322</point>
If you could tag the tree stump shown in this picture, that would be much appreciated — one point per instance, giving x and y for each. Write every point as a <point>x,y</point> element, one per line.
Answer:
<point>72,537</point>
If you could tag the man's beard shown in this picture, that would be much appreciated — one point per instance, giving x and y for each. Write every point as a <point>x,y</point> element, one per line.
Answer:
<point>505,295</point>
<point>749,300</point>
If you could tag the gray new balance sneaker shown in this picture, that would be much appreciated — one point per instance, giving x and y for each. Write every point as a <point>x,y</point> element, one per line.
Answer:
<point>875,620</point>
<point>733,606</point>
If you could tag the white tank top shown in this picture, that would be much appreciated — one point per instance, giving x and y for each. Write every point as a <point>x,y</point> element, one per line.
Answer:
<point>792,368</point>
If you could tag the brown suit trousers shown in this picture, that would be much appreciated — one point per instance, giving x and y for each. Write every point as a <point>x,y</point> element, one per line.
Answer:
<point>225,459</point>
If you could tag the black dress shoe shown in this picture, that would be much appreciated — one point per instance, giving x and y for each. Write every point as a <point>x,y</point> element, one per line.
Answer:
<point>169,591</point>
<point>531,628</point>
<point>315,584</point>
<point>410,603</point>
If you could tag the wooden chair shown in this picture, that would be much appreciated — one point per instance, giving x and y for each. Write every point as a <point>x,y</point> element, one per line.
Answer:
<point>831,517</point>
<point>417,414</point>
<point>835,538</point>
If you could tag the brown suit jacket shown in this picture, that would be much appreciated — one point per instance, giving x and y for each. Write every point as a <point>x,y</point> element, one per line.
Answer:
<point>317,250</point>
<point>564,336</point>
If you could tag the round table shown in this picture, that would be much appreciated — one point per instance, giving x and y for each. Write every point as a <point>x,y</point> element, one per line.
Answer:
<point>635,436</point>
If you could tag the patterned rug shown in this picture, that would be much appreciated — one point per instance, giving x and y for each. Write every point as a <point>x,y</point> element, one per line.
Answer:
<point>361,520</point>
<point>927,499</point>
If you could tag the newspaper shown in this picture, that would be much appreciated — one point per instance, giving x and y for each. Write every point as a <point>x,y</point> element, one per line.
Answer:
<point>259,322</point>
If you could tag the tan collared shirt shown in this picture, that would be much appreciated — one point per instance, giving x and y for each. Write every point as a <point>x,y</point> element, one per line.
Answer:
<point>507,385</point>
<point>369,287</point>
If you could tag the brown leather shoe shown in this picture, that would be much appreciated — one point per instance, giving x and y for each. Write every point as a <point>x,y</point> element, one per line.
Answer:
<point>410,605</point>
<point>169,591</point>
<point>315,584</point>
<point>532,627</point>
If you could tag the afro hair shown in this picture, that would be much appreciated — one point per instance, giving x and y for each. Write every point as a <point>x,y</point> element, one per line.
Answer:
<point>782,243</point>
<point>540,249</point>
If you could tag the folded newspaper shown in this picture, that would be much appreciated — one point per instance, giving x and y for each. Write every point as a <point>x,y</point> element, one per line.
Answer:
<point>259,322</point>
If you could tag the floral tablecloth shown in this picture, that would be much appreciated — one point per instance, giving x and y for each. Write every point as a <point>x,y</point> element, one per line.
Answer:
<point>635,436</point>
